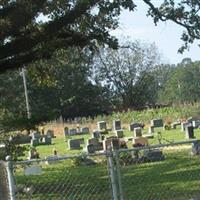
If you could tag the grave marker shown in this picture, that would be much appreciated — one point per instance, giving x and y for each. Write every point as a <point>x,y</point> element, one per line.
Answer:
<point>72,131</point>
<point>93,141</point>
<point>66,132</point>
<point>189,131</point>
<point>157,123</point>
<point>196,123</point>
<point>74,144</point>
<point>50,133</point>
<point>137,132</point>
<point>151,130</point>
<point>85,130</point>
<point>183,125</point>
<point>135,125</point>
<point>196,147</point>
<point>101,125</point>
<point>119,133</point>
<point>116,125</point>
<point>96,134</point>
<point>33,170</point>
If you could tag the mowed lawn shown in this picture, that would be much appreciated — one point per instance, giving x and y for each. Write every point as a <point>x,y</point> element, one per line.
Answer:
<point>177,177</point>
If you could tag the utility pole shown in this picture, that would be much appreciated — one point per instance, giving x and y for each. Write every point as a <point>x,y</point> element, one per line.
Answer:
<point>26,93</point>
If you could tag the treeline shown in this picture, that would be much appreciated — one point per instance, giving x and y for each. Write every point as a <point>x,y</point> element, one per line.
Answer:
<point>81,82</point>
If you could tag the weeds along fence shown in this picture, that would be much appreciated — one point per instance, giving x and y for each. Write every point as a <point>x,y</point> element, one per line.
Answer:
<point>165,172</point>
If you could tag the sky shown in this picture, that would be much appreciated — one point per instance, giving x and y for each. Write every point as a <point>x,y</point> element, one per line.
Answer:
<point>166,35</point>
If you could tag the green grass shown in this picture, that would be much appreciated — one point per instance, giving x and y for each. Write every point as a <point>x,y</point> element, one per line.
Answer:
<point>61,145</point>
<point>177,177</point>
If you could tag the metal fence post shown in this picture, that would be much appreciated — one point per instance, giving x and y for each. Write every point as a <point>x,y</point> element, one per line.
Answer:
<point>111,169</point>
<point>119,179</point>
<point>9,169</point>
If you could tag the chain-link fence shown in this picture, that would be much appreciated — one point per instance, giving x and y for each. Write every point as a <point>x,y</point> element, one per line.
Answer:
<point>160,172</point>
<point>72,178</point>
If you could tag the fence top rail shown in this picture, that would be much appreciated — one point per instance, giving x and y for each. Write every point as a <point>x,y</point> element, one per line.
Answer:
<point>59,158</point>
<point>159,145</point>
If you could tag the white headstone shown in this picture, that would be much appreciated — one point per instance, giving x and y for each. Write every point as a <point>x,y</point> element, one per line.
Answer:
<point>33,170</point>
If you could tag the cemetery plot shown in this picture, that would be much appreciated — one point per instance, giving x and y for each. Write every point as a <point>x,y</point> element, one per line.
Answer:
<point>41,139</point>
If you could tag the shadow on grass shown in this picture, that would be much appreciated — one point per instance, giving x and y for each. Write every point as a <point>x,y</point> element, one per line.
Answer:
<point>175,178</point>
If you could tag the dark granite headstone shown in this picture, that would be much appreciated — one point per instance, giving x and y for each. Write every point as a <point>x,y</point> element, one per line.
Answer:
<point>189,131</point>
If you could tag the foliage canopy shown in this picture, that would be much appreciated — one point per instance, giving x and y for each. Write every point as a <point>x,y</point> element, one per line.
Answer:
<point>24,38</point>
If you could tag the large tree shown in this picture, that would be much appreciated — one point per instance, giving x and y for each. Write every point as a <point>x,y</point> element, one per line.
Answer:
<point>25,39</point>
<point>128,72</point>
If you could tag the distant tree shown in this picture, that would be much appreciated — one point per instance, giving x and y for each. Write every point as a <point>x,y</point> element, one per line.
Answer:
<point>183,85</point>
<point>127,71</point>
<point>24,38</point>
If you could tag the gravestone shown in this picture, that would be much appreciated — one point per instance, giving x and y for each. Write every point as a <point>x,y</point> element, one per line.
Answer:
<point>116,125</point>
<point>189,131</point>
<point>151,130</point>
<point>183,125</point>
<point>50,133</point>
<point>196,148</point>
<point>119,133</point>
<point>35,135</point>
<point>47,139</point>
<point>66,132</point>
<point>189,120</point>
<point>90,148</point>
<point>137,132</point>
<point>115,143</point>
<point>33,170</point>
<point>34,142</point>
<point>112,142</point>
<point>153,155</point>
<point>196,123</point>
<point>72,131</point>
<point>101,125</point>
<point>51,159</point>
<point>74,144</point>
<point>96,134</point>
<point>93,141</point>
<point>85,130</point>
<point>157,123</point>
<point>135,125</point>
